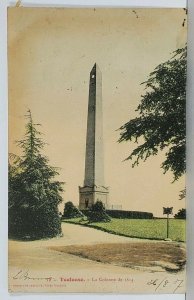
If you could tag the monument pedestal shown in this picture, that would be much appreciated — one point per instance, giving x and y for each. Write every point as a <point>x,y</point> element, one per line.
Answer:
<point>89,195</point>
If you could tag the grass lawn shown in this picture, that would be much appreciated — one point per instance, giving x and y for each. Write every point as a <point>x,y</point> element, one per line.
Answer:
<point>141,228</point>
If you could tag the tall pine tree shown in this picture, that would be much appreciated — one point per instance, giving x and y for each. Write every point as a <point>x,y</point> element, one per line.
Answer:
<point>34,195</point>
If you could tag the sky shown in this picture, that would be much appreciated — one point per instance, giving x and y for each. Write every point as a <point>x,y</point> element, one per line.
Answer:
<point>50,55</point>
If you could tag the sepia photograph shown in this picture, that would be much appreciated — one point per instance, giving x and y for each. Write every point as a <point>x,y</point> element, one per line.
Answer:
<point>97,150</point>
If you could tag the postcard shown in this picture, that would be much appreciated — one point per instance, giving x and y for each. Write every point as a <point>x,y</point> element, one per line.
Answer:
<point>97,134</point>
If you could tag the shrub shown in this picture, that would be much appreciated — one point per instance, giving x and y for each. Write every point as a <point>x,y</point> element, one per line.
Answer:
<point>97,213</point>
<point>181,214</point>
<point>70,211</point>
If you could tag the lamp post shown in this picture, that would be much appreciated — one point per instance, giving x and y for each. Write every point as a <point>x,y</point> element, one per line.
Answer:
<point>167,211</point>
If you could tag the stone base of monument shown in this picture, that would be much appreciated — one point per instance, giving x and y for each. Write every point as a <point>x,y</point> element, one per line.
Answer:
<point>89,195</point>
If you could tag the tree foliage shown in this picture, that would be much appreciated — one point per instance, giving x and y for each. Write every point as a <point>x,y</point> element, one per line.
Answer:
<point>34,195</point>
<point>70,211</point>
<point>161,124</point>
<point>182,194</point>
<point>181,214</point>
<point>98,213</point>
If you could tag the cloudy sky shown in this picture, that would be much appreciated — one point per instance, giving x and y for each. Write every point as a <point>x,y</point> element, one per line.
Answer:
<point>51,53</point>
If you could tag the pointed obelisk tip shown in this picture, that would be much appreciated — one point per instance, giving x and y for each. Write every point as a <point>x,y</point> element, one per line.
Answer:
<point>95,67</point>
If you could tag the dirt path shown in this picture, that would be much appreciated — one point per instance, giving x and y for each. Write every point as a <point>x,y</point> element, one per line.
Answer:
<point>34,266</point>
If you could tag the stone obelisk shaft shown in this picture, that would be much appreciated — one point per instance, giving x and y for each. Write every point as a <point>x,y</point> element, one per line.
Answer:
<point>94,160</point>
<point>94,189</point>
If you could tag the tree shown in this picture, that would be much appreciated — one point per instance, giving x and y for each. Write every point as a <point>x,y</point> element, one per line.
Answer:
<point>34,195</point>
<point>98,213</point>
<point>161,123</point>
<point>70,211</point>
<point>181,214</point>
<point>182,194</point>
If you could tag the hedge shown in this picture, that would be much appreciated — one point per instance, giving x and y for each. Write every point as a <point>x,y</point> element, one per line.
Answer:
<point>124,214</point>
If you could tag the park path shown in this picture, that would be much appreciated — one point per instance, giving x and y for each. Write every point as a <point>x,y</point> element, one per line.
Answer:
<point>39,260</point>
<point>37,254</point>
<point>76,234</point>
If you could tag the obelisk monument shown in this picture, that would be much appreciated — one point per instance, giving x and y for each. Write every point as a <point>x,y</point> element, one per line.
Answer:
<point>94,189</point>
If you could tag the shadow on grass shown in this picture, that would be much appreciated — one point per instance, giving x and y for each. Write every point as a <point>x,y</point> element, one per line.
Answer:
<point>164,256</point>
